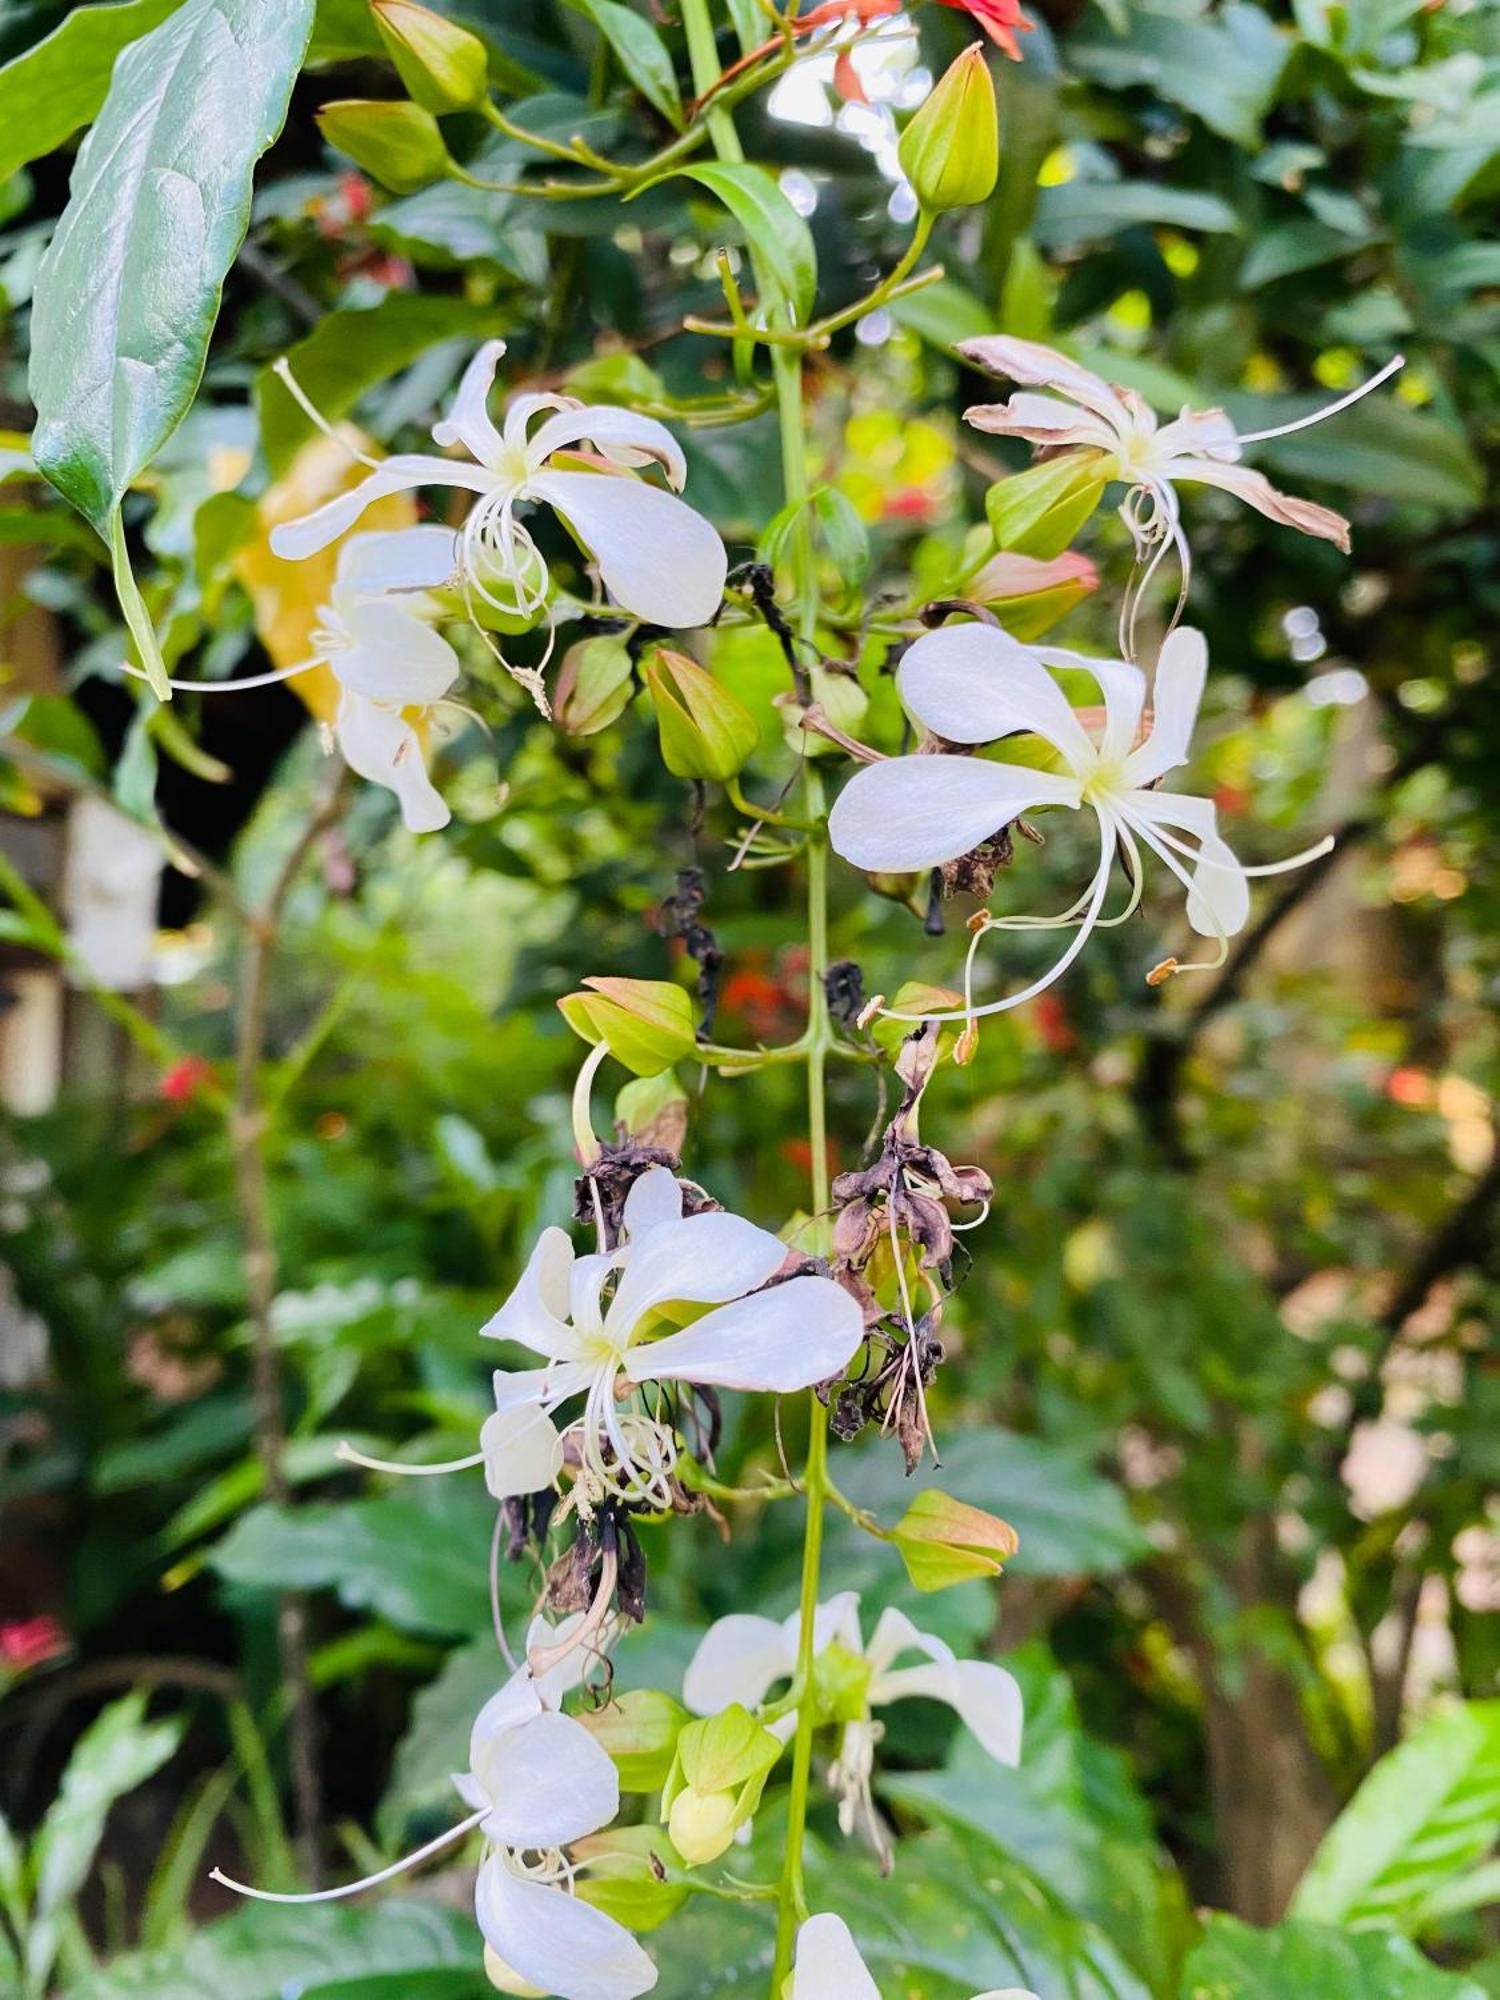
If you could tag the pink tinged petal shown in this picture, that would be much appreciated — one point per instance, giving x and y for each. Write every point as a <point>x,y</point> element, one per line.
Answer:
<point>828,1964</point>
<point>559,1943</point>
<point>536,1313</point>
<point>1200,433</point>
<point>975,684</point>
<point>468,421</point>
<point>523,1452</point>
<point>548,1782</point>
<point>1181,670</point>
<point>655,1198</point>
<point>621,435</point>
<point>393,656</point>
<point>657,558</point>
<point>786,1338</point>
<point>378,744</point>
<point>1036,366</point>
<point>702,1260</point>
<point>1257,491</point>
<point>739,1659</point>
<point>295,539</point>
<point>398,559</point>
<point>918,812</point>
<point>1043,420</point>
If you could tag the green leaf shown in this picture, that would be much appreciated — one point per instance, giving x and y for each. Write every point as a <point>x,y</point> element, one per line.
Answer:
<point>419,1563</point>
<point>1427,1813</point>
<point>780,241</point>
<point>349,352</point>
<point>393,1950</point>
<point>1302,244</point>
<point>642,54</point>
<point>1070,1521</point>
<point>1082,211</point>
<point>1301,1961</point>
<point>59,83</point>
<point>128,292</point>
<point>1224,69</point>
<point>943,314</point>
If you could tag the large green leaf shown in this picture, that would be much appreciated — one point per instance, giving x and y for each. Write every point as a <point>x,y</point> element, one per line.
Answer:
<point>58,85</point>
<point>1082,211</point>
<point>395,1950</point>
<point>1301,1961</point>
<point>1225,69</point>
<point>1070,1521</point>
<point>128,292</point>
<point>641,52</point>
<point>955,1919</point>
<point>780,241</point>
<point>1425,1816</point>
<point>421,1565</point>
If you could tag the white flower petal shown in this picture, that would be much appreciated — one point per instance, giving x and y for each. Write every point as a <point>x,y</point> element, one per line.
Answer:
<point>621,435</point>
<point>917,812</point>
<point>1218,903</point>
<point>894,1635</point>
<point>468,422</point>
<point>293,540</point>
<point>786,1338</point>
<point>655,1198</point>
<point>536,1313</point>
<point>517,1702</point>
<point>543,1387</point>
<point>974,684</point>
<point>989,1703</point>
<point>548,1782</point>
<point>561,1944</point>
<point>520,410</point>
<point>398,559</point>
<point>393,656</point>
<point>1200,433</point>
<point>1030,363</point>
<point>739,1659</point>
<point>523,1452</point>
<point>1123,687</point>
<point>379,744</point>
<point>1181,669</point>
<point>572,1669</point>
<point>828,1964</point>
<point>701,1260</point>
<point>657,558</point>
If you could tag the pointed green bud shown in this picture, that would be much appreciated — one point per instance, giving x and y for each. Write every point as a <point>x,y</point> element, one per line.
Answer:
<point>646,1023</point>
<point>950,152</point>
<point>706,732</point>
<point>639,1731</point>
<point>626,1872</point>
<point>841,1684</point>
<point>943,1541</point>
<point>716,1782</point>
<point>1038,512</point>
<point>397,144</point>
<point>443,66</point>
<point>594,685</point>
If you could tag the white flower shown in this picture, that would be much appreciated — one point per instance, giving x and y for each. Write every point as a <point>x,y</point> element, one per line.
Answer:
<point>536,1781</point>
<point>607,1351</point>
<point>658,559</point>
<point>975,684</point>
<point>829,1967</point>
<point>1202,446</point>
<point>539,1780</point>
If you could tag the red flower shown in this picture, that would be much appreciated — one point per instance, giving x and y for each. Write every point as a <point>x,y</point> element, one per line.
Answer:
<point>1001,20</point>
<point>27,1642</point>
<point>184,1079</point>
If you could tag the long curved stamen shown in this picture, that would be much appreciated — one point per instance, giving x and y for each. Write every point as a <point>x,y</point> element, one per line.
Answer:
<point>351,1456</point>
<point>1163,851</point>
<point>282,369</point>
<point>230,687</point>
<point>1308,854</point>
<point>1328,410</point>
<point>541,1660</point>
<point>1098,890</point>
<point>1163,528</point>
<point>366,1882</point>
<point>496,1618</point>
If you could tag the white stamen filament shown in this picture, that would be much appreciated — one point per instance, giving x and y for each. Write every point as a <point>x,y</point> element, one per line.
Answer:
<point>352,1456</point>
<point>1328,410</point>
<point>282,370</point>
<point>366,1882</point>
<point>230,687</point>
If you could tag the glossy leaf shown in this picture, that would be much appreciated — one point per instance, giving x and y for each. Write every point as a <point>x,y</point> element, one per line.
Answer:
<point>641,52</point>
<point>1303,1961</point>
<point>47,93</point>
<point>779,239</point>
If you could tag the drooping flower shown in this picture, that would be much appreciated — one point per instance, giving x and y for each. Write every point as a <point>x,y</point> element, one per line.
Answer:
<point>828,1967</point>
<point>973,684</point>
<point>743,1656</point>
<point>1080,412</point>
<point>537,1780</point>
<point>657,558</point>
<point>616,1352</point>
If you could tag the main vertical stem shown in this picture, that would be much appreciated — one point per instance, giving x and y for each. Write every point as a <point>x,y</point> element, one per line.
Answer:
<point>786,365</point>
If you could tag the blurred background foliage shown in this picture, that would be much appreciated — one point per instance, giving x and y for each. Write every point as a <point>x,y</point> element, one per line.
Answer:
<point>1223,1355</point>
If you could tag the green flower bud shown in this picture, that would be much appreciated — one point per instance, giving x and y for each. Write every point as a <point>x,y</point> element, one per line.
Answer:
<point>398,145</point>
<point>705,731</point>
<point>702,1824</point>
<point>841,1684</point>
<point>1038,512</point>
<point>593,686</point>
<point>943,1541</point>
<point>950,152</point>
<point>716,1782</point>
<point>646,1023</point>
<point>653,1111</point>
<point>443,66</point>
<point>639,1730</point>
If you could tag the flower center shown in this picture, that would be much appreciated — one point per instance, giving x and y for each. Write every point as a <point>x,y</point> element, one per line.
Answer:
<point>1105,782</point>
